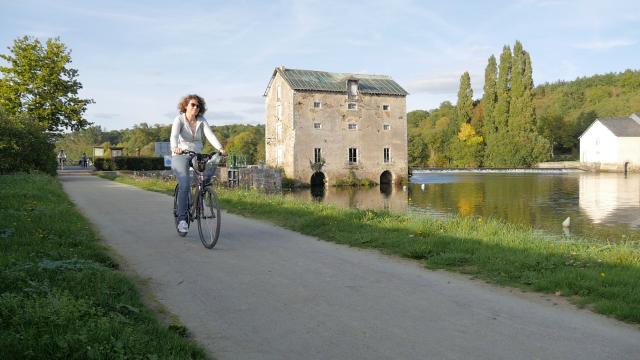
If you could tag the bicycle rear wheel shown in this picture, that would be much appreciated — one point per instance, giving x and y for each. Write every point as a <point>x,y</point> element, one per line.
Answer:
<point>208,215</point>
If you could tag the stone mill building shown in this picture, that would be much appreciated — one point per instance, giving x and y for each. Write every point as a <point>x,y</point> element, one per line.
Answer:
<point>353,123</point>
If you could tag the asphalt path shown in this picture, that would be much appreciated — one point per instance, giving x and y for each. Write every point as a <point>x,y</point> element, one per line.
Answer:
<point>266,292</point>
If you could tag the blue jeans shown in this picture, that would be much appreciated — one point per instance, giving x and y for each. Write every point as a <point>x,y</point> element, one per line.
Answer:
<point>180,167</point>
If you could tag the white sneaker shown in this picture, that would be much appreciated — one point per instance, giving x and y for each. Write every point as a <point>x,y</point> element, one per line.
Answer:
<point>183,227</point>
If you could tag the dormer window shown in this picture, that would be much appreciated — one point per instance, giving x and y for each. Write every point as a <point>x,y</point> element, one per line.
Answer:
<point>352,88</point>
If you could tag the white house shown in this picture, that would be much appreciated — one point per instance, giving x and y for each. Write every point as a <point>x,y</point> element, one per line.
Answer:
<point>612,144</point>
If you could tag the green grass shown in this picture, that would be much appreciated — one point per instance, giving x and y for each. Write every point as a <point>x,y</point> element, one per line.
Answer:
<point>602,276</point>
<point>61,295</point>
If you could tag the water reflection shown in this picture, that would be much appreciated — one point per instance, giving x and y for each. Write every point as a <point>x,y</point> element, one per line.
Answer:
<point>611,198</point>
<point>598,204</point>
<point>317,192</point>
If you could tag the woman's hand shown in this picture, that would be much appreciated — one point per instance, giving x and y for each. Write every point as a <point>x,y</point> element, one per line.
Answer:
<point>177,151</point>
<point>222,152</point>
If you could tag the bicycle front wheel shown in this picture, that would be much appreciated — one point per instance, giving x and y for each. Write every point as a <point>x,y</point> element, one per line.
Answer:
<point>208,218</point>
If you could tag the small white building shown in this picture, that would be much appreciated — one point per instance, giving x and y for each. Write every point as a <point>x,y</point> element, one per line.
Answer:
<point>612,144</point>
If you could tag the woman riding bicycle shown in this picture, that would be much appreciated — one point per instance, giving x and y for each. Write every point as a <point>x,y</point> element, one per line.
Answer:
<point>187,134</point>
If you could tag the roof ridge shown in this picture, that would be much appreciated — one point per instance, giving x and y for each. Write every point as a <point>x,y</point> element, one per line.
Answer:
<point>342,74</point>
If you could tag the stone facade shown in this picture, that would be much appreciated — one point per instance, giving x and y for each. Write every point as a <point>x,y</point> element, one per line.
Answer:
<point>300,121</point>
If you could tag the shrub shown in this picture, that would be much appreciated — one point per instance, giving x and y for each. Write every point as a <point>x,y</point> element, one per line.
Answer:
<point>24,146</point>
<point>353,180</point>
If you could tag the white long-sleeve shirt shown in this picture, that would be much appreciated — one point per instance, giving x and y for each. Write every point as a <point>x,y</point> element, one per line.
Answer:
<point>182,137</point>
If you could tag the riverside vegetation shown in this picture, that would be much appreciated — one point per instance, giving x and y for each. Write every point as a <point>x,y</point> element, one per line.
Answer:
<point>602,276</point>
<point>61,295</point>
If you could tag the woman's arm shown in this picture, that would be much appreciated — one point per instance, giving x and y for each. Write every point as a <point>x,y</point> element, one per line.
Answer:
<point>211,136</point>
<point>175,132</point>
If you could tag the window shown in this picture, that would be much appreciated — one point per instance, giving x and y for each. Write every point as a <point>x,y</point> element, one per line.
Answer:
<point>352,88</point>
<point>386,107</point>
<point>317,126</point>
<point>353,156</point>
<point>279,93</point>
<point>278,111</point>
<point>386,127</point>
<point>278,131</point>
<point>352,106</point>
<point>317,104</point>
<point>317,155</point>
<point>353,126</point>
<point>386,155</point>
<point>280,155</point>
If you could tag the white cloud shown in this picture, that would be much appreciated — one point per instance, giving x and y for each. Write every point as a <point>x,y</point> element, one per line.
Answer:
<point>605,44</point>
<point>442,84</point>
<point>106,115</point>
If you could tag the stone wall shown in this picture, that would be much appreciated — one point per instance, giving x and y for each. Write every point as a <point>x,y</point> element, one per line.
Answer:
<point>268,180</point>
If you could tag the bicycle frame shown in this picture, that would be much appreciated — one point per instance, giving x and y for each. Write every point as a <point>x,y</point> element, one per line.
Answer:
<point>197,186</point>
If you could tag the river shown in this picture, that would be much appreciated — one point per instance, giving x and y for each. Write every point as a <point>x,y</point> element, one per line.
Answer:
<point>601,205</point>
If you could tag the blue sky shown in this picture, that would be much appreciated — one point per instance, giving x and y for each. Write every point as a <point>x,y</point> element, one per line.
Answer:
<point>137,58</point>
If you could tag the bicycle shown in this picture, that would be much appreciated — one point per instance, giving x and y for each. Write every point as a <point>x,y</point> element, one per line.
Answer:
<point>205,210</point>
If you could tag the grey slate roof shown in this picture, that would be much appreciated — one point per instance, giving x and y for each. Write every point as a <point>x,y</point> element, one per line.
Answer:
<point>622,127</point>
<point>310,80</point>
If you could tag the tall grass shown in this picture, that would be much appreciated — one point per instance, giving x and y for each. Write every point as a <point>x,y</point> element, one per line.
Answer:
<point>603,276</point>
<point>61,295</point>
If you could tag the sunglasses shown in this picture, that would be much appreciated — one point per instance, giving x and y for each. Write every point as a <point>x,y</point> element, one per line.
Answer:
<point>194,105</point>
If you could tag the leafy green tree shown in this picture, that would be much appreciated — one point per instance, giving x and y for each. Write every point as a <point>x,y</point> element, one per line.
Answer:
<point>437,138</point>
<point>245,144</point>
<point>503,99</point>
<point>416,117</point>
<point>140,140</point>
<point>464,106</point>
<point>38,82</point>
<point>521,112</point>
<point>489,97</point>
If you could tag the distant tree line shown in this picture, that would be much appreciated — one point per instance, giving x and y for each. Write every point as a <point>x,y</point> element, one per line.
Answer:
<point>245,140</point>
<point>515,124</point>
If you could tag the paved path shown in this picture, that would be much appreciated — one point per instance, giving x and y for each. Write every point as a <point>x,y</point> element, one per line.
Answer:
<point>269,293</point>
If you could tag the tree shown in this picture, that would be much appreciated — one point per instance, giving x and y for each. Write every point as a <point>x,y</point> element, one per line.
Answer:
<point>521,112</point>
<point>466,148</point>
<point>464,106</point>
<point>489,97</point>
<point>38,82</point>
<point>245,144</point>
<point>137,140</point>
<point>501,112</point>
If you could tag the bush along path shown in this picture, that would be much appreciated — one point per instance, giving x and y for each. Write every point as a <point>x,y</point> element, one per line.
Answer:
<point>602,276</point>
<point>61,295</point>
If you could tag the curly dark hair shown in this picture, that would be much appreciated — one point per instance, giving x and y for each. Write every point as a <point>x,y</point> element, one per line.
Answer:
<point>182,105</point>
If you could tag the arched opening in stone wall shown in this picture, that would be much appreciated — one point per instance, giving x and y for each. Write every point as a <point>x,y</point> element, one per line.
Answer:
<point>317,179</point>
<point>386,178</point>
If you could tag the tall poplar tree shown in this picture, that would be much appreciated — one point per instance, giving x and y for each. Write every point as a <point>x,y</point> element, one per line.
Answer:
<point>464,106</point>
<point>501,112</point>
<point>521,106</point>
<point>489,97</point>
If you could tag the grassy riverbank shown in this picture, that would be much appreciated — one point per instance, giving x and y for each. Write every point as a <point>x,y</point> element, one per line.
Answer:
<point>604,277</point>
<point>61,295</point>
